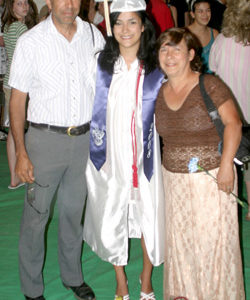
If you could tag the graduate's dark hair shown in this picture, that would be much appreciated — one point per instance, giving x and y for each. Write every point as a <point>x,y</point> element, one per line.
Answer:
<point>146,52</point>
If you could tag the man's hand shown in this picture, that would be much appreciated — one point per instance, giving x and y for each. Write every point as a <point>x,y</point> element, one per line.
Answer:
<point>24,168</point>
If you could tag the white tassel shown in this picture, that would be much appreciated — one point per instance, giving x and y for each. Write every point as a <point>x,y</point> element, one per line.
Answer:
<point>107,20</point>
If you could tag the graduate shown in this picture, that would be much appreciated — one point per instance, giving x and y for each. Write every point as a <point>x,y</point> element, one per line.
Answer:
<point>125,194</point>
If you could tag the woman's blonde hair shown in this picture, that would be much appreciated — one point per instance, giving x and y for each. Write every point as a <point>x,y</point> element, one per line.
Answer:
<point>236,22</point>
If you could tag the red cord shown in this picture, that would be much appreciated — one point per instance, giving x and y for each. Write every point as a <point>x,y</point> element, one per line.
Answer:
<point>133,133</point>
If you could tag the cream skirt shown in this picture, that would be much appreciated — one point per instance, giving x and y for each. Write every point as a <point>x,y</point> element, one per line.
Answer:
<point>202,256</point>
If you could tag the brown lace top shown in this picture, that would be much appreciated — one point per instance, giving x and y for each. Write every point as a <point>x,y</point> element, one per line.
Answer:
<point>189,132</point>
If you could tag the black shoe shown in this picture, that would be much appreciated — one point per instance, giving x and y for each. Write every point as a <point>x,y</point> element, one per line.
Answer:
<point>82,292</point>
<point>37,298</point>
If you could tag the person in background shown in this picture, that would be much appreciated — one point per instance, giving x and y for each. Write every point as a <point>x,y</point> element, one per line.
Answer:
<point>96,15</point>
<point>202,249</point>
<point>3,67</point>
<point>13,26</point>
<point>55,63</point>
<point>93,14</point>
<point>3,56</point>
<point>201,14</point>
<point>125,195</point>
<point>84,10</point>
<point>218,8</point>
<point>180,13</point>
<point>160,15</point>
<point>44,13</point>
<point>32,17</point>
<point>230,60</point>
<point>174,14</point>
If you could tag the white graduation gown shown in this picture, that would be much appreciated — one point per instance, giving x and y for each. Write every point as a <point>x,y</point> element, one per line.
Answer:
<point>115,211</point>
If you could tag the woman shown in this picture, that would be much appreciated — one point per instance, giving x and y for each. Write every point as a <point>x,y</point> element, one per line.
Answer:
<point>13,26</point>
<point>202,258</point>
<point>201,14</point>
<point>123,173</point>
<point>230,59</point>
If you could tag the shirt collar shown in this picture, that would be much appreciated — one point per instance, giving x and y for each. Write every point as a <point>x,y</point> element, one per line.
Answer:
<point>51,28</point>
<point>121,66</point>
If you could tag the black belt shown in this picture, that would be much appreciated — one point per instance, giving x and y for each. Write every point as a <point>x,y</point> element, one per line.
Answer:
<point>70,131</point>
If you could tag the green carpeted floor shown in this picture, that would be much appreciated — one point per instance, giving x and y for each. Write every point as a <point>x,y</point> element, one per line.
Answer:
<point>97,273</point>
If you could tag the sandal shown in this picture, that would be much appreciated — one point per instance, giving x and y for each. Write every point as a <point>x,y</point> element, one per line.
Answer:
<point>11,187</point>
<point>150,296</point>
<point>144,296</point>
<point>126,297</point>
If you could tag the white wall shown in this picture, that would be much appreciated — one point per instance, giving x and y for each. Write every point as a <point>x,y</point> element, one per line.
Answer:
<point>40,4</point>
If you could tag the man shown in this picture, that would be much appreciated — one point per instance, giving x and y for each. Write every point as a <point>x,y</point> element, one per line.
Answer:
<point>54,62</point>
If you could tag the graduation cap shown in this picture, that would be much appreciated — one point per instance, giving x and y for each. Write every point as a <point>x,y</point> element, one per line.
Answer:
<point>121,6</point>
<point>127,5</point>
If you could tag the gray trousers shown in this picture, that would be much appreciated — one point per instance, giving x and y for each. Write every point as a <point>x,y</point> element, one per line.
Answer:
<point>59,161</point>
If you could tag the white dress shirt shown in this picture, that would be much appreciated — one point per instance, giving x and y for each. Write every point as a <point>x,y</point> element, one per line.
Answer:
<point>58,75</point>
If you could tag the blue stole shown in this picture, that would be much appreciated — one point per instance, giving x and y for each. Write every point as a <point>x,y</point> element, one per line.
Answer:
<point>151,85</point>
